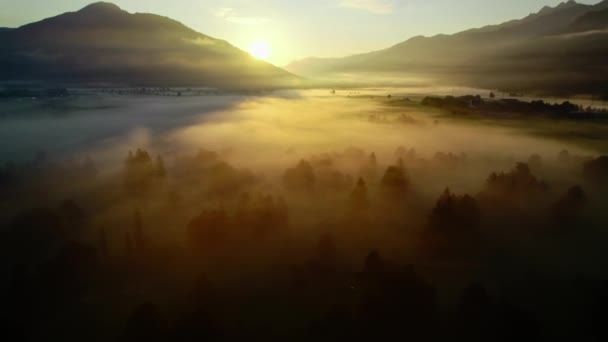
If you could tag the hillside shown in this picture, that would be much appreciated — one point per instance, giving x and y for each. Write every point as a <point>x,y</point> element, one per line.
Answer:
<point>102,44</point>
<point>557,50</point>
<point>595,20</point>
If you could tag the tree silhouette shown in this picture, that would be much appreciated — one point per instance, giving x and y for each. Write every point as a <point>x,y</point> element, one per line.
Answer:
<point>394,182</point>
<point>596,170</point>
<point>568,208</point>
<point>513,190</point>
<point>300,178</point>
<point>454,227</point>
<point>394,303</point>
<point>161,172</point>
<point>141,171</point>
<point>207,232</point>
<point>370,169</point>
<point>358,197</point>
<point>327,249</point>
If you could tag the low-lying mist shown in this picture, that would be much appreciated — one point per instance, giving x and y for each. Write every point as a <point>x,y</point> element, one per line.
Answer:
<point>295,214</point>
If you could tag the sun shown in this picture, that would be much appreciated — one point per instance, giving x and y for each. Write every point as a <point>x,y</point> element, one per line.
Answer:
<point>261,49</point>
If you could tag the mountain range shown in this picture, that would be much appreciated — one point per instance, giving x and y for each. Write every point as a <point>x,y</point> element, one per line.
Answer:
<point>102,44</point>
<point>559,50</point>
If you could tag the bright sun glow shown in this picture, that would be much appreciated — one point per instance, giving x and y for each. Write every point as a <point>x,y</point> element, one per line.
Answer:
<point>260,49</point>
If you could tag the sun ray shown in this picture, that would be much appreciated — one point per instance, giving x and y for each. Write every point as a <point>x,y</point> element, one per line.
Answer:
<point>261,49</point>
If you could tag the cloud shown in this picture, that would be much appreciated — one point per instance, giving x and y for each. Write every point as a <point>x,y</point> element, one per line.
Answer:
<point>373,6</point>
<point>231,15</point>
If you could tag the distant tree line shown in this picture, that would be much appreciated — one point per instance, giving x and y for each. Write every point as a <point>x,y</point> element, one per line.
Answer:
<point>475,104</point>
<point>29,93</point>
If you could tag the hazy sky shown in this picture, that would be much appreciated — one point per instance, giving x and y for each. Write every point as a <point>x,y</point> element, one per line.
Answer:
<point>303,28</point>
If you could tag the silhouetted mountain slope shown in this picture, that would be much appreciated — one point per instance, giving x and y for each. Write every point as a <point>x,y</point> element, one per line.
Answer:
<point>549,51</point>
<point>546,21</point>
<point>601,6</point>
<point>103,44</point>
<point>595,20</point>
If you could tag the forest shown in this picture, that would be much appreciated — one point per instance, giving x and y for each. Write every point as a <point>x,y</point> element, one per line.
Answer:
<point>339,245</point>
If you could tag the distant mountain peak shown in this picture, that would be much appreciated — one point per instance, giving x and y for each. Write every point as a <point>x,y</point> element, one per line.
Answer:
<point>602,5</point>
<point>561,6</point>
<point>567,4</point>
<point>101,7</point>
<point>545,9</point>
<point>103,44</point>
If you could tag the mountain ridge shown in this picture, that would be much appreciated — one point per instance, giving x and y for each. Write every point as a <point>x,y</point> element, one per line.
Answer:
<point>535,53</point>
<point>103,44</point>
<point>101,6</point>
<point>544,11</point>
<point>595,20</point>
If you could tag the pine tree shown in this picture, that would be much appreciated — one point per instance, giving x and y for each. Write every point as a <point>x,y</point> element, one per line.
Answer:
<point>161,172</point>
<point>358,196</point>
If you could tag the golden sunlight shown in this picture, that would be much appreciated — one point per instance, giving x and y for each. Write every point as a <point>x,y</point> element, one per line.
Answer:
<point>260,49</point>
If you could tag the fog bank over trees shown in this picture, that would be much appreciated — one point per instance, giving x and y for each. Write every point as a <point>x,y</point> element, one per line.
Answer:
<point>298,215</point>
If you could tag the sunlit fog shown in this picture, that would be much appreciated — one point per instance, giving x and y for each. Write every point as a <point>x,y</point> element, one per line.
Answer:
<point>224,171</point>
